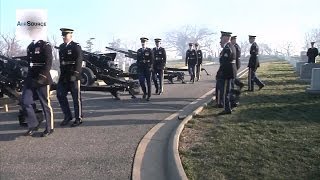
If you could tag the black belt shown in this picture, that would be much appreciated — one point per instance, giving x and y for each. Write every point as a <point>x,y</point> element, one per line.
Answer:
<point>67,62</point>
<point>37,64</point>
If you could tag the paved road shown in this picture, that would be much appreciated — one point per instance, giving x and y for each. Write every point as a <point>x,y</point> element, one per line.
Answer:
<point>101,148</point>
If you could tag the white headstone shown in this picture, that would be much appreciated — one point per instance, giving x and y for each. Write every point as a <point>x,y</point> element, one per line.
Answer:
<point>315,81</point>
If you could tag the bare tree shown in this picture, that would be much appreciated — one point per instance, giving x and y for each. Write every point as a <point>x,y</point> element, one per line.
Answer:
<point>245,48</point>
<point>10,46</point>
<point>265,49</point>
<point>55,52</point>
<point>178,40</point>
<point>288,48</point>
<point>89,44</point>
<point>116,43</point>
<point>211,47</point>
<point>312,36</point>
<point>2,47</point>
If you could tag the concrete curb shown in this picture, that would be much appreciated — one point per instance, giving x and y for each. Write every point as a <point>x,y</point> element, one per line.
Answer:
<point>176,169</point>
<point>173,128</point>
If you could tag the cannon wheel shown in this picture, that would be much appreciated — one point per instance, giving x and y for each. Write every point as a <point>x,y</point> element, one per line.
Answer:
<point>133,69</point>
<point>87,77</point>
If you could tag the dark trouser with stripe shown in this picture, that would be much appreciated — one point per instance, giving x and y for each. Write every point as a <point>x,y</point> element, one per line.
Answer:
<point>192,70</point>
<point>157,74</point>
<point>312,60</point>
<point>252,78</point>
<point>227,85</point>
<point>237,82</point>
<point>198,68</point>
<point>44,97</point>
<point>145,76</point>
<point>62,91</point>
<point>219,92</point>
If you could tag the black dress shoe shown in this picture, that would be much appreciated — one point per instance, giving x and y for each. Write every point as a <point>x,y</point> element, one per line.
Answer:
<point>144,96</point>
<point>47,133</point>
<point>148,98</point>
<point>30,132</point>
<point>157,91</point>
<point>65,122</point>
<point>241,86</point>
<point>160,93</point>
<point>77,122</point>
<point>224,113</point>
<point>218,106</point>
<point>261,87</point>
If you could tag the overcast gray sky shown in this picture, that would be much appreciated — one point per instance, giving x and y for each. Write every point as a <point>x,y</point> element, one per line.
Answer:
<point>273,21</point>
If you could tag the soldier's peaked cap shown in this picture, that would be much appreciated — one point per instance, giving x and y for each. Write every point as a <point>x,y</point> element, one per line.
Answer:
<point>65,31</point>
<point>196,44</point>
<point>233,37</point>
<point>252,36</point>
<point>157,40</point>
<point>144,39</point>
<point>190,44</point>
<point>313,42</point>
<point>223,33</point>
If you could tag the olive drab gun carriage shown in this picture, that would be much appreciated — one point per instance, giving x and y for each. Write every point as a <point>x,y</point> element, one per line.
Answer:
<point>12,75</point>
<point>13,71</point>
<point>101,67</point>
<point>169,73</point>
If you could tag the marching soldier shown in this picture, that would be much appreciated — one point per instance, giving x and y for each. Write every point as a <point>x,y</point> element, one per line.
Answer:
<point>145,60</point>
<point>312,53</point>
<point>38,81</point>
<point>238,62</point>
<point>227,69</point>
<point>70,55</point>
<point>158,66</point>
<point>253,65</point>
<point>200,57</point>
<point>191,61</point>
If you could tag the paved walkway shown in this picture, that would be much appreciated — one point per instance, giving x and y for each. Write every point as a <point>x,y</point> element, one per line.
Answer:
<point>101,148</point>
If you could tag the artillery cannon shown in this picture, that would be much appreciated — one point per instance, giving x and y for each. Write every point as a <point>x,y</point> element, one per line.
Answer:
<point>102,67</point>
<point>12,74</point>
<point>169,72</point>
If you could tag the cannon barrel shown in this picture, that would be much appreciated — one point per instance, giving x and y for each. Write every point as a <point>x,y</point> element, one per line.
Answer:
<point>129,53</point>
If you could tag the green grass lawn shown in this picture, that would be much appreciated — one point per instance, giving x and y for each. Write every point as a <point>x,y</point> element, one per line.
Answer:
<point>273,134</point>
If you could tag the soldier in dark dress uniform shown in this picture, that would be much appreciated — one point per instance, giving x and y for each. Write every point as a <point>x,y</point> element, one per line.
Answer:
<point>71,57</point>
<point>38,81</point>
<point>191,61</point>
<point>227,69</point>
<point>312,53</point>
<point>200,57</point>
<point>238,62</point>
<point>219,85</point>
<point>253,65</point>
<point>160,59</point>
<point>145,60</point>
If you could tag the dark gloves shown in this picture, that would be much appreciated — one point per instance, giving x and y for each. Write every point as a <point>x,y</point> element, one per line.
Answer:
<point>40,81</point>
<point>75,76</point>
